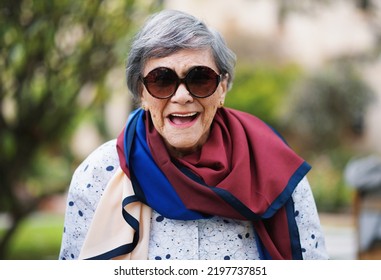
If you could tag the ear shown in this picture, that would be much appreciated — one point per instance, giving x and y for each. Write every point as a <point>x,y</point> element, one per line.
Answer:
<point>143,102</point>
<point>223,90</point>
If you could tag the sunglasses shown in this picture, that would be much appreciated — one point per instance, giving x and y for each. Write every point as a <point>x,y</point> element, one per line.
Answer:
<point>200,81</point>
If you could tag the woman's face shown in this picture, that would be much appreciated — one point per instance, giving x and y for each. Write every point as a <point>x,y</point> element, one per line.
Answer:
<point>183,120</point>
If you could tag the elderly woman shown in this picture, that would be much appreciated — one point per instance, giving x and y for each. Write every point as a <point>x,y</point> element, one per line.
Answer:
<point>188,178</point>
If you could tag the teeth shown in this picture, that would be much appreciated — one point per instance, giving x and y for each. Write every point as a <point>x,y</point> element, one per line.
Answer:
<point>184,115</point>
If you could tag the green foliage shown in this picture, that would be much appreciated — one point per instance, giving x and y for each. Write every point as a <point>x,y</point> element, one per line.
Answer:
<point>37,238</point>
<point>327,182</point>
<point>324,114</point>
<point>329,106</point>
<point>262,89</point>
<point>51,53</point>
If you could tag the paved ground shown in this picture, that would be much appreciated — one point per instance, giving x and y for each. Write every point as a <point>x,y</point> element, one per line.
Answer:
<point>340,235</point>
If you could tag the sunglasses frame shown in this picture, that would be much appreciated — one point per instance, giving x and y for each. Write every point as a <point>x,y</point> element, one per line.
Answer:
<point>184,81</point>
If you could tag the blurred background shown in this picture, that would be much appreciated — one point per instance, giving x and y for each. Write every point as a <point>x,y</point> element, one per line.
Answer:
<point>311,69</point>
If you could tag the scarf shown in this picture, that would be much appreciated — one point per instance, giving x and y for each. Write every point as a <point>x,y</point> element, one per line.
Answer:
<point>244,171</point>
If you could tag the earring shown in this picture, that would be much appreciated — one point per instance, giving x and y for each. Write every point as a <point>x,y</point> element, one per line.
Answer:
<point>221,104</point>
<point>144,107</point>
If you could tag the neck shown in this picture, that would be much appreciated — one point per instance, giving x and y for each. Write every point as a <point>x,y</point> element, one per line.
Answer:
<point>181,152</point>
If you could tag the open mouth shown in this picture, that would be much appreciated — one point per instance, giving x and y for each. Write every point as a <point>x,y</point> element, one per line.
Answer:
<point>180,119</point>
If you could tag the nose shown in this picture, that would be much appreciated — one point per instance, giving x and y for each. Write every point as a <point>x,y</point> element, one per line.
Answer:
<point>182,95</point>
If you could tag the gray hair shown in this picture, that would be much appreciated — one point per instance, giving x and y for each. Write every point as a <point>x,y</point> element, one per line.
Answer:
<point>169,31</point>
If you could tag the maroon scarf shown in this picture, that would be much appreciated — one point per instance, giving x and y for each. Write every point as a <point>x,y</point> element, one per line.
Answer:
<point>244,171</point>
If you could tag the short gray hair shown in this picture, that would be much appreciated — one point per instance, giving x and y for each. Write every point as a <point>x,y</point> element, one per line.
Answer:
<point>169,31</point>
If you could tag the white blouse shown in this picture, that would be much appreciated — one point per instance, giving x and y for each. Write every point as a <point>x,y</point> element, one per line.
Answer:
<point>216,238</point>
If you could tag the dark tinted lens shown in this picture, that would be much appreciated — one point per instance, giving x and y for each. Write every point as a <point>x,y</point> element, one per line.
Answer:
<point>161,82</point>
<point>202,81</point>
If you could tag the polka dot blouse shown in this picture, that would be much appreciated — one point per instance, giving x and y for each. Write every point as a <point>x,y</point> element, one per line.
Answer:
<point>216,238</point>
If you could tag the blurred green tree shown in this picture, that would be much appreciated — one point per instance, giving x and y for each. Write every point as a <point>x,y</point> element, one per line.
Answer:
<point>50,51</point>
<point>326,114</point>
<point>261,89</point>
<point>329,107</point>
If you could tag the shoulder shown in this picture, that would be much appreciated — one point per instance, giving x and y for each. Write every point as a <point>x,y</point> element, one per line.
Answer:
<point>103,159</point>
<point>249,122</point>
<point>86,188</point>
<point>104,156</point>
<point>92,175</point>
